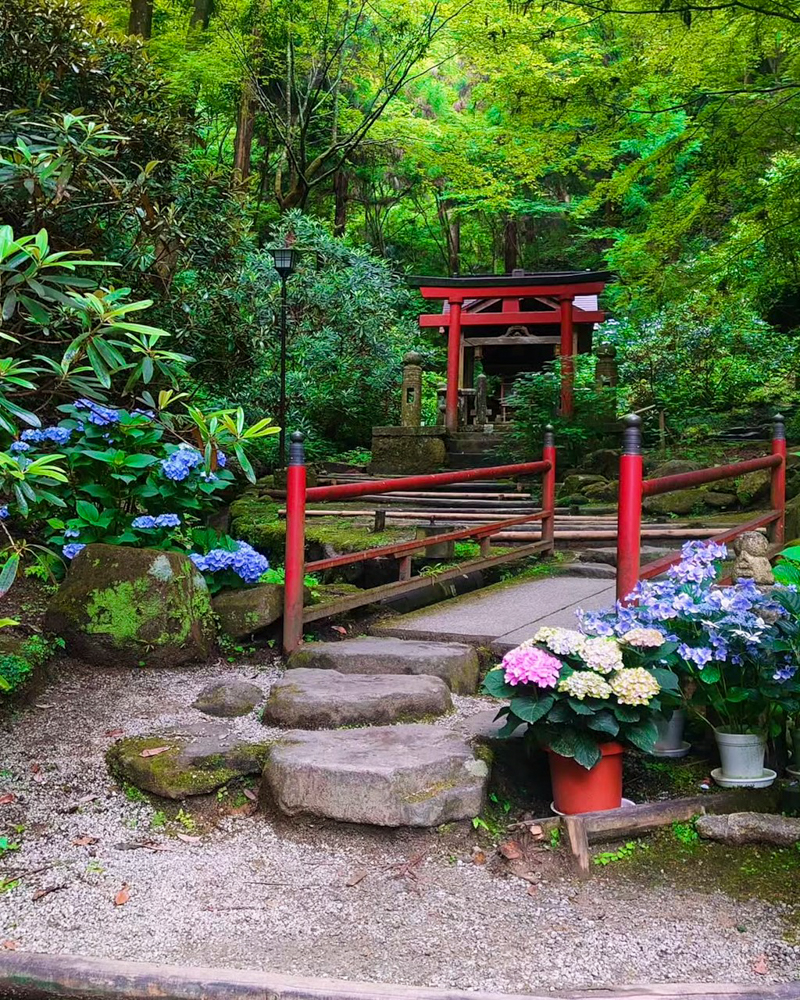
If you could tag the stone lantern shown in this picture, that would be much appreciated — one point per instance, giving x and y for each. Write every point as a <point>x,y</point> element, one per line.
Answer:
<point>411,399</point>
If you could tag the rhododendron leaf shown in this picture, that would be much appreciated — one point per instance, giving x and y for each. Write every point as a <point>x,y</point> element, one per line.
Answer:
<point>532,709</point>
<point>643,735</point>
<point>604,722</point>
<point>495,684</point>
<point>581,746</point>
<point>667,681</point>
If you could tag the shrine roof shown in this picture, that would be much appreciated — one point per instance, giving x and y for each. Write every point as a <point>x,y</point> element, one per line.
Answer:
<point>553,278</point>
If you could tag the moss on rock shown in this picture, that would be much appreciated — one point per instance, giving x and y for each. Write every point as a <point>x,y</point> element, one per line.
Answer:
<point>130,606</point>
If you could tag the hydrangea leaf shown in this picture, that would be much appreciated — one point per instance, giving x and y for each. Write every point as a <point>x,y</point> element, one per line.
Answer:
<point>643,735</point>
<point>532,709</point>
<point>604,722</point>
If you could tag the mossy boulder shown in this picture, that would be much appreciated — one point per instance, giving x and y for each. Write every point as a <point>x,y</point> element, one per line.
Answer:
<point>677,502</point>
<point>608,491</point>
<point>228,698</point>
<point>243,612</point>
<point>20,657</point>
<point>604,462</point>
<point>576,484</point>
<point>719,500</point>
<point>753,488</point>
<point>793,518</point>
<point>126,607</point>
<point>200,758</point>
<point>674,467</point>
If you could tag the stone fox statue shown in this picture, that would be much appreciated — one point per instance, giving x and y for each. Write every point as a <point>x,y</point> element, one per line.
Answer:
<point>751,558</point>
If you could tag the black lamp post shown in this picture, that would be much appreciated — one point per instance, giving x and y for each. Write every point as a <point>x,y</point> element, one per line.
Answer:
<point>285,259</point>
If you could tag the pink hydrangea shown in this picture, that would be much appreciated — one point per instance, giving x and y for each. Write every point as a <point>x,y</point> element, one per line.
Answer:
<point>528,664</point>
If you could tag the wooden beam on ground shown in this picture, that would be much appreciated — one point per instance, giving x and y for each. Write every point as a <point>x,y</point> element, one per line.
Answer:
<point>32,976</point>
<point>578,841</point>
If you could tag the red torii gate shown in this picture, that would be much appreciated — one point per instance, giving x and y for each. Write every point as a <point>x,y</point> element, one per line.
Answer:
<point>560,288</point>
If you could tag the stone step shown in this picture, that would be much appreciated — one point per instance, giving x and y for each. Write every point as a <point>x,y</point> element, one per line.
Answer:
<point>324,699</point>
<point>608,554</point>
<point>588,570</point>
<point>454,662</point>
<point>411,775</point>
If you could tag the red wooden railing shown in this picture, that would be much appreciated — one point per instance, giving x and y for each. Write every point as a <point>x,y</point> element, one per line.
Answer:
<point>297,494</point>
<point>633,489</point>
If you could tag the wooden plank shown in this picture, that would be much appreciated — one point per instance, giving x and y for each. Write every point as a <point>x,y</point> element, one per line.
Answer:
<point>578,841</point>
<point>31,976</point>
<point>388,591</point>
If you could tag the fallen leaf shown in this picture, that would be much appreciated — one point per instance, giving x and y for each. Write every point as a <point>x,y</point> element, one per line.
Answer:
<point>510,849</point>
<point>187,839</point>
<point>41,893</point>
<point>250,795</point>
<point>38,773</point>
<point>760,966</point>
<point>84,841</point>
<point>357,877</point>
<point>532,890</point>
<point>478,858</point>
<point>339,629</point>
<point>10,945</point>
<point>115,732</point>
<point>154,751</point>
<point>43,704</point>
<point>535,830</point>
<point>7,799</point>
<point>122,896</point>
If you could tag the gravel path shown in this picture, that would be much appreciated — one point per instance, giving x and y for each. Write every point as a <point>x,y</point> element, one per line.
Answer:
<point>311,899</point>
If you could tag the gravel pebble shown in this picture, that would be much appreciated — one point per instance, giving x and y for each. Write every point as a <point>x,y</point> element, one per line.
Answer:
<point>267,895</point>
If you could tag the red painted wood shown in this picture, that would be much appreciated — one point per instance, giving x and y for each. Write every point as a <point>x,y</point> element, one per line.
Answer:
<point>685,480</point>
<point>453,366</point>
<point>629,521</point>
<point>399,549</point>
<point>567,358</point>
<point>549,496</point>
<point>658,566</point>
<point>375,486</point>
<point>778,492</point>
<point>295,557</point>
<point>511,291</point>
<point>435,320</point>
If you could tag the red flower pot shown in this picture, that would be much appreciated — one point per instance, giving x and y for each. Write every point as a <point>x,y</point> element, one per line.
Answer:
<point>576,790</point>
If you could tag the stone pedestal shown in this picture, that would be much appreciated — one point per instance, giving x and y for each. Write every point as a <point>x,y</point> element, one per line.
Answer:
<point>407,450</point>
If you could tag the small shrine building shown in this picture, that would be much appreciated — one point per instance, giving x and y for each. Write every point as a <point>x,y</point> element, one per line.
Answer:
<point>512,323</point>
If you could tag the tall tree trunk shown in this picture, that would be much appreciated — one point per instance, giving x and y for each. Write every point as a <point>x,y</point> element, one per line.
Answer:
<point>510,244</point>
<point>451,227</point>
<point>341,183</point>
<point>243,142</point>
<point>140,20</point>
<point>201,12</point>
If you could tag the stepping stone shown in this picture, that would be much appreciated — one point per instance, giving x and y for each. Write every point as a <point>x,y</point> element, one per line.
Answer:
<point>484,726</point>
<point>198,759</point>
<point>324,699</point>
<point>228,698</point>
<point>455,662</point>
<point>412,775</point>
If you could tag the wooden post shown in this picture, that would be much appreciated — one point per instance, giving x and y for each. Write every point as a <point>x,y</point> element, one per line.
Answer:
<point>379,524</point>
<point>549,488</point>
<point>777,529</point>
<point>481,411</point>
<point>578,841</point>
<point>567,358</point>
<point>453,368</point>
<point>295,545</point>
<point>486,546</point>
<point>629,516</point>
<point>404,565</point>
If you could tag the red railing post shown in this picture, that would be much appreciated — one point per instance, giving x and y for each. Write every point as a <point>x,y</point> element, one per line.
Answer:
<point>549,488</point>
<point>629,516</point>
<point>778,485</point>
<point>295,545</point>
<point>453,368</point>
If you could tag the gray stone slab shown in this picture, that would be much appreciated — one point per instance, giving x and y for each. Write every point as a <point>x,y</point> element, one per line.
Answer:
<point>454,662</point>
<point>228,697</point>
<point>507,609</point>
<point>565,617</point>
<point>412,775</point>
<point>324,699</point>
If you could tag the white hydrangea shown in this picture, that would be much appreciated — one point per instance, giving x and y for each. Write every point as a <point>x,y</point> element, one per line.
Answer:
<point>634,686</point>
<point>644,637</point>
<point>585,684</point>
<point>563,641</point>
<point>601,654</point>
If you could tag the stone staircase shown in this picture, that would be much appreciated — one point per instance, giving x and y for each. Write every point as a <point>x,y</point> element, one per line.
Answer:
<point>473,449</point>
<point>392,770</point>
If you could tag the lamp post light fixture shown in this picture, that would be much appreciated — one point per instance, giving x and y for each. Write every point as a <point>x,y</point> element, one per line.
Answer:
<point>284,260</point>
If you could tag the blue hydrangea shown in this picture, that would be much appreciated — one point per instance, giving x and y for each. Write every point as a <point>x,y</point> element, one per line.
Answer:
<point>785,673</point>
<point>145,521</point>
<point>57,435</point>
<point>180,463</point>
<point>147,414</point>
<point>71,550</point>
<point>244,561</point>
<point>222,460</point>
<point>99,415</point>
<point>17,447</point>
<point>168,521</point>
<point>72,533</point>
<point>4,515</point>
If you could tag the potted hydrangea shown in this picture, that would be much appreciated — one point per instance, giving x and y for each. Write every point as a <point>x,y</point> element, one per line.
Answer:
<point>723,640</point>
<point>583,697</point>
